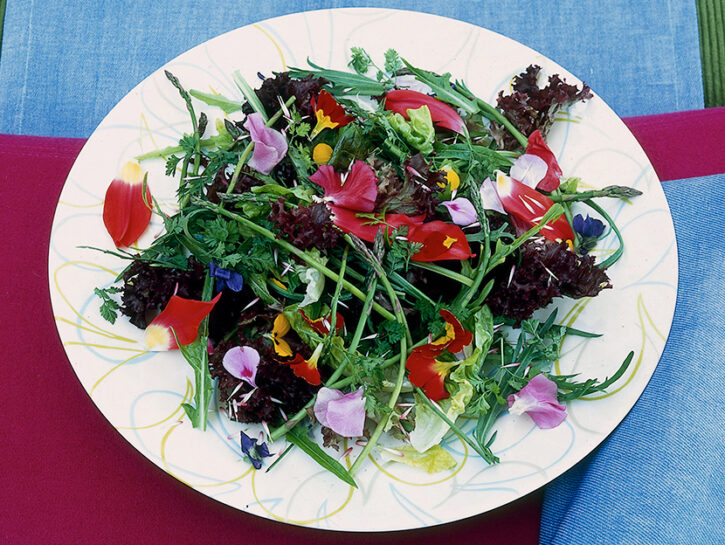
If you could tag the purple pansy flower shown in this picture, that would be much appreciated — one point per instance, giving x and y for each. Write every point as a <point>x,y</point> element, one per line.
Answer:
<point>342,413</point>
<point>538,400</point>
<point>226,278</point>
<point>529,169</point>
<point>270,146</point>
<point>589,227</point>
<point>255,452</point>
<point>241,362</point>
<point>462,211</point>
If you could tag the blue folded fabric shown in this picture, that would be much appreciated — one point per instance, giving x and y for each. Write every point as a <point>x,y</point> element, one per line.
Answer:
<point>660,477</point>
<point>64,64</point>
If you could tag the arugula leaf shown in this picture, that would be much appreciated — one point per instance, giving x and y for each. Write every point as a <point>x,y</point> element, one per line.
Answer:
<point>341,82</point>
<point>441,85</point>
<point>227,105</point>
<point>300,439</point>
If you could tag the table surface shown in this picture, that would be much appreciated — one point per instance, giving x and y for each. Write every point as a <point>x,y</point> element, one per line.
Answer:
<point>65,64</point>
<point>73,479</point>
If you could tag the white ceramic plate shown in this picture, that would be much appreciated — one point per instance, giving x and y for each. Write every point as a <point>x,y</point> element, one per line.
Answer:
<point>140,393</point>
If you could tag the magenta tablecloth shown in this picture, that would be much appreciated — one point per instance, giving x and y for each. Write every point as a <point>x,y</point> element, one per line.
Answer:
<point>69,477</point>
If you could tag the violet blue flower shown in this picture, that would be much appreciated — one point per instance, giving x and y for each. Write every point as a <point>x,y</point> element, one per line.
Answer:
<point>226,278</point>
<point>342,413</point>
<point>538,400</point>
<point>462,211</point>
<point>589,227</point>
<point>529,169</point>
<point>241,362</point>
<point>255,452</point>
<point>270,146</point>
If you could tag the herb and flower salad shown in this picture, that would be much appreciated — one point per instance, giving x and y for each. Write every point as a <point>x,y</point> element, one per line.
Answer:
<point>363,251</point>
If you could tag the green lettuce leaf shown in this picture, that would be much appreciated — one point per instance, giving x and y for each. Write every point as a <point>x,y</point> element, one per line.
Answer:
<point>433,460</point>
<point>418,132</point>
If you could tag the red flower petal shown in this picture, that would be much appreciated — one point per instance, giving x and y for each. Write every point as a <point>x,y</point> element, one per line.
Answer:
<point>306,369</point>
<point>125,214</point>
<point>402,100</point>
<point>461,337</point>
<point>440,241</point>
<point>183,316</point>
<point>366,228</point>
<point>322,325</point>
<point>357,193</point>
<point>329,108</point>
<point>426,372</point>
<point>527,206</point>
<point>537,146</point>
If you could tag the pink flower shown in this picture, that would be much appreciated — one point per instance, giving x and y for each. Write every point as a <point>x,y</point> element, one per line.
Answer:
<point>462,211</point>
<point>342,413</point>
<point>242,362</point>
<point>490,198</point>
<point>538,400</point>
<point>529,170</point>
<point>537,146</point>
<point>270,146</point>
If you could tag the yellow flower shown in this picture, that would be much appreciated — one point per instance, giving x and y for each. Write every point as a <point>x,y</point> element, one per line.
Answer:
<point>321,153</point>
<point>280,328</point>
<point>452,177</point>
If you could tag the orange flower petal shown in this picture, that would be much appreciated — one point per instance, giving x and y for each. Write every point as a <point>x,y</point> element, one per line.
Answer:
<point>125,214</point>
<point>183,316</point>
<point>460,337</point>
<point>322,325</point>
<point>328,112</point>
<point>307,369</point>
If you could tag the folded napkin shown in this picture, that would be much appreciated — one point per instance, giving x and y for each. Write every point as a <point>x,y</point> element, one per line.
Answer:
<point>659,478</point>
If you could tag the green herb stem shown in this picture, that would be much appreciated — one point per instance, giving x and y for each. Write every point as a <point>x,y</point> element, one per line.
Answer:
<point>432,267</point>
<point>405,340</point>
<point>336,297</point>
<point>375,437</point>
<point>337,373</point>
<point>612,191</point>
<point>552,214</point>
<point>495,115</point>
<point>364,315</point>
<point>250,147</point>
<point>612,259</point>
